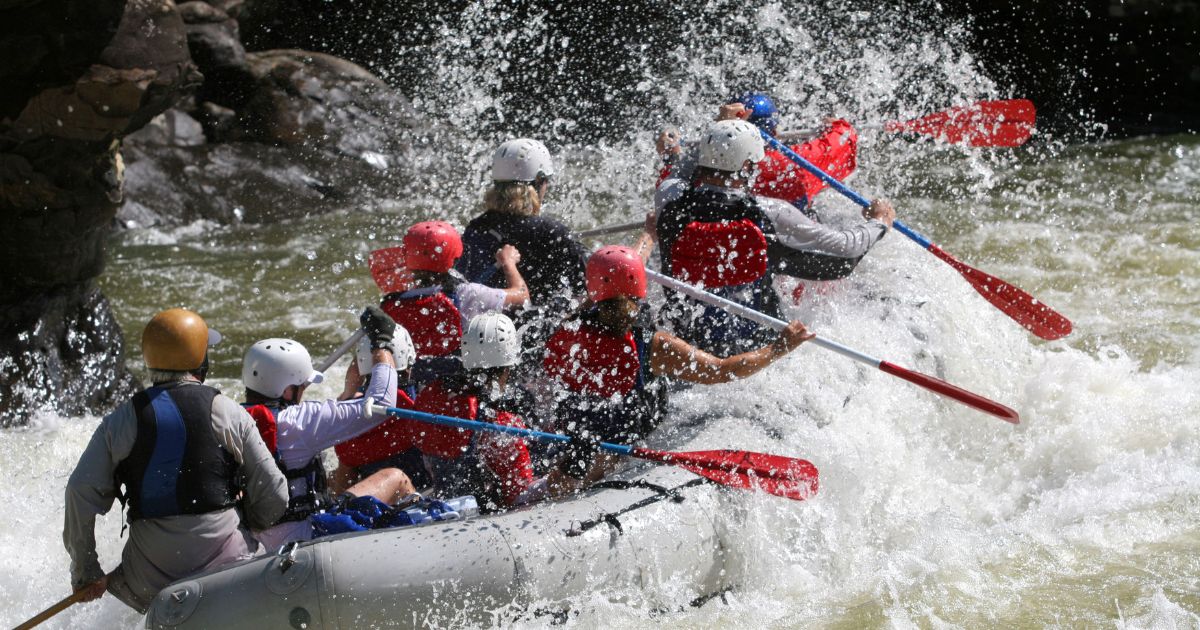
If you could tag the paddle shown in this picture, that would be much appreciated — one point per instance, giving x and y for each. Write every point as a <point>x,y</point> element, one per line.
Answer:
<point>1023,308</point>
<point>613,229</point>
<point>970,399</point>
<point>62,605</point>
<point>781,476</point>
<point>342,349</point>
<point>388,270</point>
<point>983,124</point>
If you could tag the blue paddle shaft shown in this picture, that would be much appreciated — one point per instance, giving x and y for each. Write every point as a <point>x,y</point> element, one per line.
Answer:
<point>373,408</point>
<point>840,187</point>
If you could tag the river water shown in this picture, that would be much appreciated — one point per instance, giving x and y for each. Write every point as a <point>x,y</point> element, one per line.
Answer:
<point>929,514</point>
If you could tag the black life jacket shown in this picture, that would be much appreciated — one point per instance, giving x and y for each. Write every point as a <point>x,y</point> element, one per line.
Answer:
<point>720,239</point>
<point>607,388</point>
<point>309,479</point>
<point>176,465</point>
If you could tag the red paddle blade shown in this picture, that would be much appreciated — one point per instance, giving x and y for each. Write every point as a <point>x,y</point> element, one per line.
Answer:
<point>970,399</point>
<point>388,269</point>
<point>983,124</point>
<point>787,477</point>
<point>1025,309</point>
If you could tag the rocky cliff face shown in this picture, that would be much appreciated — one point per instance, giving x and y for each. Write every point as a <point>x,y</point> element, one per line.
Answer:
<point>140,112</point>
<point>78,77</point>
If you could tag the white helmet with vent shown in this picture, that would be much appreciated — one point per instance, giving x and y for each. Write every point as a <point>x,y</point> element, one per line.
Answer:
<point>521,160</point>
<point>490,341</point>
<point>272,365</point>
<point>402,351</point>
<point>729,143</point>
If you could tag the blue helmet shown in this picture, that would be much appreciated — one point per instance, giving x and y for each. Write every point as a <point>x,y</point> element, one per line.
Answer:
<point>763,112</point>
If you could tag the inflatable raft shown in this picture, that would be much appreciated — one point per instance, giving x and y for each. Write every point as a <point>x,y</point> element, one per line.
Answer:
<point>648,530</point>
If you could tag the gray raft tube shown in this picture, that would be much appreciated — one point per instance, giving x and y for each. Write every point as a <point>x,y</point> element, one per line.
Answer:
<point>484,570</point>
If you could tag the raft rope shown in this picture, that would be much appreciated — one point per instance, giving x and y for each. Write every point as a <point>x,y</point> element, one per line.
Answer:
<point>611,518</point>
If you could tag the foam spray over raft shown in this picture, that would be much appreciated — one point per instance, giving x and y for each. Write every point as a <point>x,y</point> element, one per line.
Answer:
<point>925,514</point>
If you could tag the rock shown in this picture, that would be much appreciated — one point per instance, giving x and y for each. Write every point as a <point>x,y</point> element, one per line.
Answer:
<point>170,128</point>
<point>315,100</point>
<point>61,358</point>
<point>79,75</point>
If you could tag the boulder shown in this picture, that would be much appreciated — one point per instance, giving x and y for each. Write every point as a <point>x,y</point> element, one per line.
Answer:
<point>79,75</point>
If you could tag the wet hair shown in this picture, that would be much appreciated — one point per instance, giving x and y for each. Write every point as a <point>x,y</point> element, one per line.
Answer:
<point>614,315</point>
<point>168,376</point>
<point>519,198</point>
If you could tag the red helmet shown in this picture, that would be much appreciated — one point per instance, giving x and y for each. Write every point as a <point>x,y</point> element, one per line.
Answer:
<point>615,271</point>
<point>432,246</point>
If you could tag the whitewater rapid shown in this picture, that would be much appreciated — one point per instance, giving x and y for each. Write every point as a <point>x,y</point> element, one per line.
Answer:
<point>929,514</point>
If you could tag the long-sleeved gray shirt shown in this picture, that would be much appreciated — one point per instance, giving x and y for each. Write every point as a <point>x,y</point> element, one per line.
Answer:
<point>302,431</point>
<point>162,550</point>
<point>793,229</point>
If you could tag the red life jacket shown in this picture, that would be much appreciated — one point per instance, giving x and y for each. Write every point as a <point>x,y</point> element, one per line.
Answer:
<point>506,459</point>
<point>430,317</point>
<point>439,441</point>
<point>390,437</point>
<point>587,360</point>
<point>719,254</point>
<point>314,495</point>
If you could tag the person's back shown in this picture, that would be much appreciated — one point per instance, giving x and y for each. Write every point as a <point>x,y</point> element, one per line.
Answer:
<point>494,468</point>
<point>438,305</point>
<point>179,448</point>
<point>551,258</point>
<point>715,235</point>
<point>276,373</point>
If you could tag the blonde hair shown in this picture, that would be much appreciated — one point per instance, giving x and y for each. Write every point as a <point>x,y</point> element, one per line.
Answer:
<point>518,198</point>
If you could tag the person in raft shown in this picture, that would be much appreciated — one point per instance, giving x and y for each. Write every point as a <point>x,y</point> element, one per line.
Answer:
<point>494,468</point>
<point>552,258</point>
<point>391,444</point>
<point>713,231</point>
<point>195,470</point>
<point>833,150</point>
<point>610,366</point>
<point>276,373</point>
<point>440,302</point>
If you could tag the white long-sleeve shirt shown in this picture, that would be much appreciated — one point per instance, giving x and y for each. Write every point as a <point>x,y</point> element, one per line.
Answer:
<point>302,431</point>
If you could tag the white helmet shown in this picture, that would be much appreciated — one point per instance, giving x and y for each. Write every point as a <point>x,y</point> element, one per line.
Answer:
<point>272,365</point>
<point>402,350</point>
<point>521,160</point>
<point>490,340</point>
<point>729,143</point>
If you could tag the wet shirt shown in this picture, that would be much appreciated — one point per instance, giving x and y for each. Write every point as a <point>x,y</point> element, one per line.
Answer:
<point>552,259</point>
<point>306,429</point>
<point>162,550</point>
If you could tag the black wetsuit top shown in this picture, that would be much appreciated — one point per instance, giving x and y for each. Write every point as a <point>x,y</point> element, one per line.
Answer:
<point>552,259</point>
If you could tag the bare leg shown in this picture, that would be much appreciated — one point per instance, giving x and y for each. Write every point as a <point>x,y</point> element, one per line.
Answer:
<point>342,478</point>
<point>388,485</point>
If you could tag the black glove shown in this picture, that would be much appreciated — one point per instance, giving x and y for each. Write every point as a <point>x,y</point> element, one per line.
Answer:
<point>379,327</point>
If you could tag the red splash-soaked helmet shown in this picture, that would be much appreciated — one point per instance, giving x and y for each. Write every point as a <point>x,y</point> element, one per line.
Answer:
<point>432,246</point>
<point>615,271</point>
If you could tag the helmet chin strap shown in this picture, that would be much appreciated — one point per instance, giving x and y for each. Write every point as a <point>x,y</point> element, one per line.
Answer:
<point>201,373</point>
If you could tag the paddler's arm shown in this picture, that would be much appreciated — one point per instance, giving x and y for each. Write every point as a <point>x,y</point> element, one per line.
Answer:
<point>517,292</point>
<point>645,243</point>
<point>266,490</point>
<point>90,491</point>
<point>673,357</point>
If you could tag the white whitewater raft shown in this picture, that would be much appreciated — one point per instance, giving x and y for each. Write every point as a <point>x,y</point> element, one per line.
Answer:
<point>649,533</point>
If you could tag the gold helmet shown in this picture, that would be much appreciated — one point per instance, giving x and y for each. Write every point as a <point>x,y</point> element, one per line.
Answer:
<point>177,340</point>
